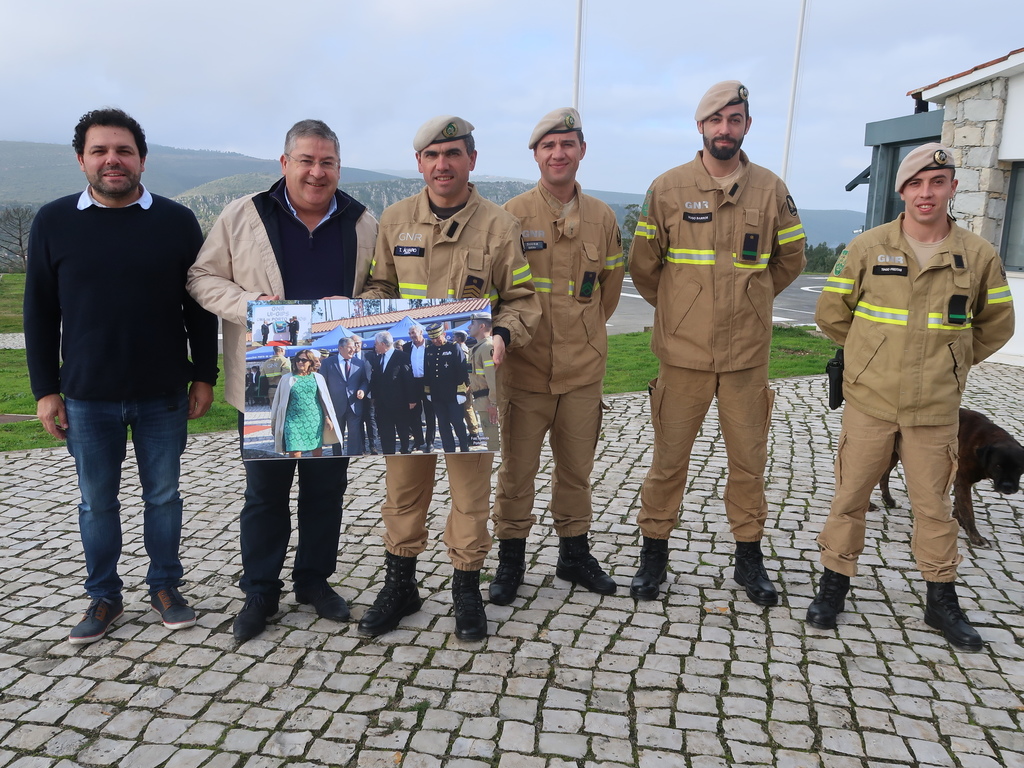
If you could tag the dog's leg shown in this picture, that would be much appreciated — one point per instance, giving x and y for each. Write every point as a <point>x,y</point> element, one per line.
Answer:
<point>963,511</point>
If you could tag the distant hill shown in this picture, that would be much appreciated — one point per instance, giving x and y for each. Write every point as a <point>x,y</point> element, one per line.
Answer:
<point>32,172</point>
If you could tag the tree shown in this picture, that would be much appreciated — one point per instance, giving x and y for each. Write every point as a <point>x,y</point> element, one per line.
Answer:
<point>15,225</point>
<point>822,257</point>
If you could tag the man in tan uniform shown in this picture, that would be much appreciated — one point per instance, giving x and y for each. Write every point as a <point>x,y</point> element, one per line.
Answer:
<point>482,381</point>
<point>915,303</point>
<point>446,241</point>
<point>717,239</point>
<point>553,386</point>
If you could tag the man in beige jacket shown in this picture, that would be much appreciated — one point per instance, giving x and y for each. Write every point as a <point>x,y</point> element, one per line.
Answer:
<point>253,253</point>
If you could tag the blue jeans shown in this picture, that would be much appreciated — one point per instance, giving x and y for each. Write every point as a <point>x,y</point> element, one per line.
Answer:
<point>97,438</point>
<point>265,523</point>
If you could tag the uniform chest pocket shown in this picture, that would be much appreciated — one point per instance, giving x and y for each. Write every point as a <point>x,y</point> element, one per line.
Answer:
<point>471,273</point>
<point>586,284</point>
<point>752,242</point>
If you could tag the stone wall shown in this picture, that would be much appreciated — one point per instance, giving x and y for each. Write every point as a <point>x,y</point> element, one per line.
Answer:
<point>973,126</point>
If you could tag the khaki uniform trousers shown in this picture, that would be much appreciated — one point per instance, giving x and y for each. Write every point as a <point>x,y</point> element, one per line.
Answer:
<point>488,430</point>
<point>472,422</point>
<point>573,423</point>
<point>929,456</point>
<point>679,402</point>
<point>410,486</point>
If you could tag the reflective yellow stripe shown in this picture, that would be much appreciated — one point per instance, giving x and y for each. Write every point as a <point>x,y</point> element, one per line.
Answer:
<point>791,234</point>
<point>412,291</point>
<point>492,295</point>
<point>762,262</point>
<point>839,285</point>
<point>521,275</point>
<point>611,262</point>
<point>542,284</point>
<point>451,293</point>
<point>935,323</point>
<point>572,287</point>
<point>373,265</point>
<point>643,229</point>
<point>487,364</point>
<point>690,256</point>
<point>887,315</point>
<point>999,295</point>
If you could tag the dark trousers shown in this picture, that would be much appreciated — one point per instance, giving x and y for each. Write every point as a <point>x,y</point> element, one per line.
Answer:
<point>422,415</point>
<point>391,421</point>
<point>451,416</point>
<point>265,522</point>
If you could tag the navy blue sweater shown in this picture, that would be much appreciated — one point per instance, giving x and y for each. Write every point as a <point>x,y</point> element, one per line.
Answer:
<point>115,279</point>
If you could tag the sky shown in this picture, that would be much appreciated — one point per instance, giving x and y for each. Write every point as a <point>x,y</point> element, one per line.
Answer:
<point>234,76</point>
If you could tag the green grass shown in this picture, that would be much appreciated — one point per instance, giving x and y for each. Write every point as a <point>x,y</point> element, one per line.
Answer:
<point>12,291</point>
<point>795,352</point>
<point>16,397</point>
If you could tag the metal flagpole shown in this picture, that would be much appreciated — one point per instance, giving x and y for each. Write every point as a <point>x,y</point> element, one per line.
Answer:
<point>792,92</point>
<point>579,46</point>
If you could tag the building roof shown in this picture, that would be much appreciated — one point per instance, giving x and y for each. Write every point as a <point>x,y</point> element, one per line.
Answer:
<point>463,306</point>
<point>1005,66</point>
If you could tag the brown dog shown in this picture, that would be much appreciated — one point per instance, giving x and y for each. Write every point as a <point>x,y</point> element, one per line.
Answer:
<point>986,451</point>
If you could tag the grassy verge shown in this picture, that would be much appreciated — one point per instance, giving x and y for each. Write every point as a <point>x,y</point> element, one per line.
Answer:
<point>795,352</point>
<point>12,292</point>
<point>16,397</point>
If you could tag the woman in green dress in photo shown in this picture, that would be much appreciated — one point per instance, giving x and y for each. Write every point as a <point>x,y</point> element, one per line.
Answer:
<point>302,410</point>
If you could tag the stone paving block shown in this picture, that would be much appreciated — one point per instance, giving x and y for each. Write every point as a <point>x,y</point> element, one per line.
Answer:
<point>567,679</point>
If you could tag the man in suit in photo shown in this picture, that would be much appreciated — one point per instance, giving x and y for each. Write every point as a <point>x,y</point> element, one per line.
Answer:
<point>348,381</point>
<point>393,391</point>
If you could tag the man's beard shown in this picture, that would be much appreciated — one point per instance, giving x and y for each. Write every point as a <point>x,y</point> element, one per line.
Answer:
<point>722,153</point>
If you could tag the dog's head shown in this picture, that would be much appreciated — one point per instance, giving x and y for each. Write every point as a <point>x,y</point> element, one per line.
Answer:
<point>1003,463</point>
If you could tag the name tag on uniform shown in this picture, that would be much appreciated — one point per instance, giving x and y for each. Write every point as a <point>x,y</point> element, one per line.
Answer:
<point>697,218</point>
<point>889,269</point>
<point>534,245</point>
<point>408,250</point>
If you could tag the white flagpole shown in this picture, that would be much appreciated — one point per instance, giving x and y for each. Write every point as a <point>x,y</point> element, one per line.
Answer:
<point>579,46</point>
<point>792,92</point>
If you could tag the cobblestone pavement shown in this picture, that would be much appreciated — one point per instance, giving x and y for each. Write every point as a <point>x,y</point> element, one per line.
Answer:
<point>567,678</point>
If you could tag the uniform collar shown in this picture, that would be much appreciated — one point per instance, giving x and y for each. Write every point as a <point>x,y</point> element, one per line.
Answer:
<point>450,229</point>
<point>707,182</point>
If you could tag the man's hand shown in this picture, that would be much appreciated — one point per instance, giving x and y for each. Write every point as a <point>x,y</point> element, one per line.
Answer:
<point>50,410</point>
<point>200,398</point>
<point>498,349</point>
<point>360,394</point>
<point>492,413</point>
<point>412,405</point>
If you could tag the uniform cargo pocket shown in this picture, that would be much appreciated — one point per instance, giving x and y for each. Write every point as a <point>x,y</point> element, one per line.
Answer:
<point>864,351</point>
<point>683,300</point>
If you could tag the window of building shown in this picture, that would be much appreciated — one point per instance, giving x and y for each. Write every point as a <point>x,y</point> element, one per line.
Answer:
<point>1013,228</point>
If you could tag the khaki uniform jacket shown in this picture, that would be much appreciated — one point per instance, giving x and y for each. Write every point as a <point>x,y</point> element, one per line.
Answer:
<point>236,265</point>
<point>476,253</point>
<point>481,375</point>
<point>909,340</point>
<point>577,267</point>
<point>712,262</point>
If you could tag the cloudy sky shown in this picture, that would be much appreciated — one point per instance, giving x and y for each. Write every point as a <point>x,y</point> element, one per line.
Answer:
<point>233,76</point>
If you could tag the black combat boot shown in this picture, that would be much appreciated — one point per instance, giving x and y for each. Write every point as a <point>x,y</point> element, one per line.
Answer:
<point>511,569</point>
<point>942,612</point>
<point>646,585</point>
<point>397,599</point>
<point>830,600</point>
<point>750,573</point>
<point>576,564</point>
<point>470,619</point>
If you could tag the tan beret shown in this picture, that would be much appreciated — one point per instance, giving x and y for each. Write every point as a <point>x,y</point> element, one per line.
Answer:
<point>721,95</point>
<point>441,129</point>
<point>561,120</point>
<point>927,157</point>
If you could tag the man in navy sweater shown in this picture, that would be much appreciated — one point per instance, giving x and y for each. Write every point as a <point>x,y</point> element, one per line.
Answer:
<point>116,244</point>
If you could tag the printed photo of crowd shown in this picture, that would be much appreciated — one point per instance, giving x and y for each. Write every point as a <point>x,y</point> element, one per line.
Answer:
<point>338,377</point>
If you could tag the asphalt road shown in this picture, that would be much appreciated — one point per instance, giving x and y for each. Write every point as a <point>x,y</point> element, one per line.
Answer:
<point>794,306</point>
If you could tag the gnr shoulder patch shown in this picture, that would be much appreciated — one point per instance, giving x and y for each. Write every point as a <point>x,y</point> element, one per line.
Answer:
<point>840,263</point>
<point>646,209</point>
